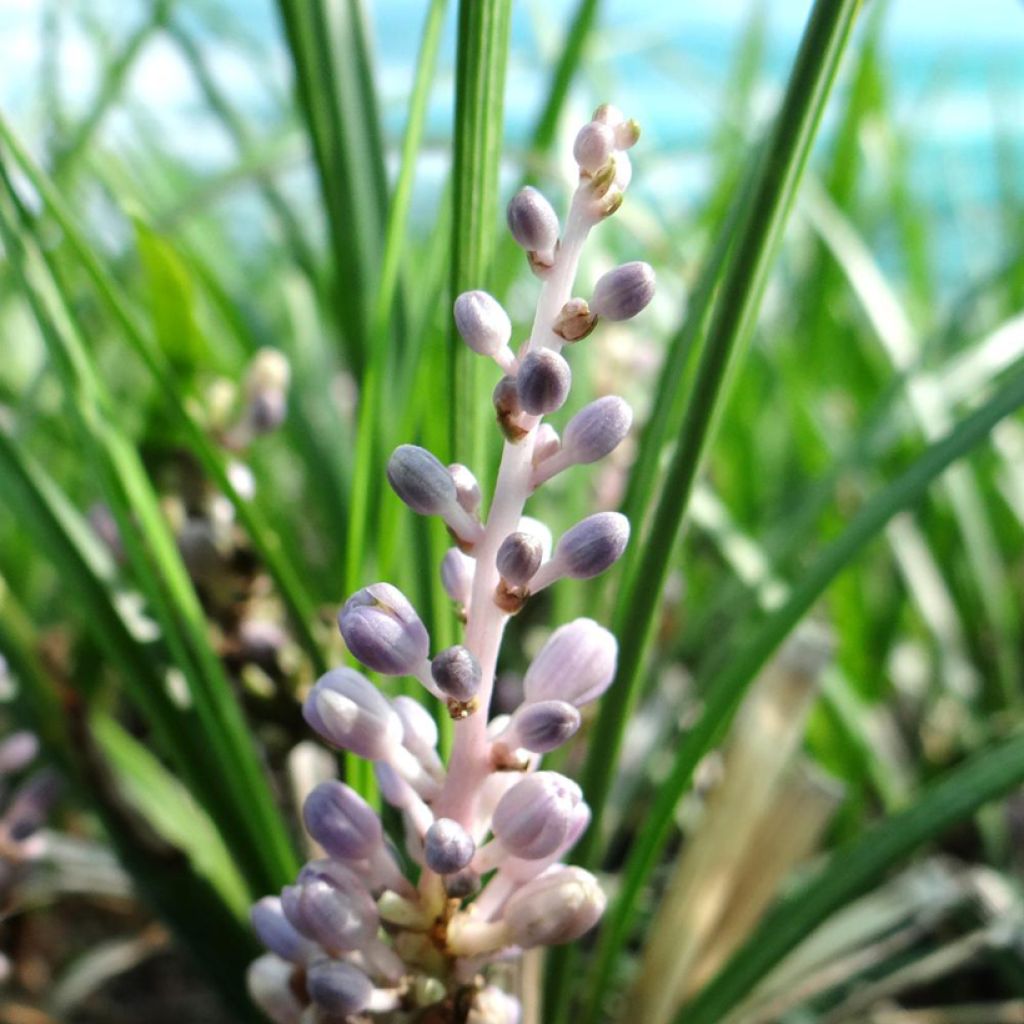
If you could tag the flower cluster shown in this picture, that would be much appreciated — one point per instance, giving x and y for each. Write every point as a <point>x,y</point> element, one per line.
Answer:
<point>354,936</point>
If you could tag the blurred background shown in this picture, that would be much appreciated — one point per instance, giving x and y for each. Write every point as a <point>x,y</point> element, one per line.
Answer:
<point>171,132</point>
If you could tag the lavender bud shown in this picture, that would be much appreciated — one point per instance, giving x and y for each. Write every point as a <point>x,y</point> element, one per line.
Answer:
<point>339,988</point>
<point>448,847</point>
<point>341,821</point>
<point>457,571</point>
<point>544,726</point>
<point>627,134</point>
<point>17,751</point>
<point>594,144</point>
<point>339,920</point>
<point>383,631</point>
<point>593,544</point>
<point>30,805</point>
<point>532,819</point>
<point>508,407</point>
<point>276,932</point>
<point>519,557</point>
<point>348,711</point>
<point>597,429</point>
<point>419,730</point>
<point>421,480</point>
<point>482,323</point>
<point>532,221</point>
<point>576,665</point>
<point>269,981</point>
<point>623,292</point>
<point>457,673</point>
<point>543,382</point>
<point>467,490</point>
<point>558,906</point>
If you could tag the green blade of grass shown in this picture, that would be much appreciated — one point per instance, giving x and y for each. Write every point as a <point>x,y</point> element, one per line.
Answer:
<point>780,169</point>
<point>244,804</point>
<point>300,607</point>
<point>725,690</point>
<point>481,59</point>
<point>853,869</point>
<point>335,94</point>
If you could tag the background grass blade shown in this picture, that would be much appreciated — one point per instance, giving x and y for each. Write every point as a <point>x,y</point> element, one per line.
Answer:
<point>482,52</point>
<point>853,869</point>
<point>725,689</point>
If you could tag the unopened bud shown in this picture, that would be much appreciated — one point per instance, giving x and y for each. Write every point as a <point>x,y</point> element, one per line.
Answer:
<point>595,143</point>
<point>462,884</point>
<point>17,751</point>
<point>339,919</point>
<point>421,480</point>
<point>447,847</point>
<point>457,571</point>
<point>419,728</point>
<point>532,819</point>
<point>383,631</point>
<point>627,134</point>
<point>492,1006</point>
<point>542,727</point>
<point>482,322</point>
<point>341,821</point>
<point>593,544</point>
<point>533,221</point>
<point>623,292</point>
<point>339,988</point>
<point>576,665</point>
<point>597,429</point>
<point>277,933</point>
<point>559,906</point>
<point>348,711</point>
<point>543,382</point>
<point>509,409</point>
<point>609,114</point>
<point>467,489</point>
<point>269,981</point>
<point>457,673</point>
<point>519,557</point>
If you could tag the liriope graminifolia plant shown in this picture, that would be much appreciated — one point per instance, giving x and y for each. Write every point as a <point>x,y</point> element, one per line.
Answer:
<point>355,935</point>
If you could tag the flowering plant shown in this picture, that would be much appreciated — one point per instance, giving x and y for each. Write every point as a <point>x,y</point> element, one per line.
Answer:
<point>354,934</point>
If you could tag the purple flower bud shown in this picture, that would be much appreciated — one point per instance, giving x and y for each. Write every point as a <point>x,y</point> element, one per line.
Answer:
<point>467,489</point>
<point>595,143</point>
<point>457,571</point>
<point>542,727</point>
<point>383,630</point>
<point>593,544</point>
<point>419,730</point>
<point>269,981</point>
<point>31,804</point>
<point>348,711</point>
<point>421,480</point>
<point>576,665</point>
<point>330,905</point>
<point>17,751</point>
<point>623,292</point>
<point>558,906</point>
<point>597,429</point>
<point>339,988</point>
<point>482,323</point>
<point>519,557</point>
<point>341,821</point>
<point>543,382</point>
<point>457,673</point>
<point>448,847</point>
<point>532,819</point>
<point>462,884</point>
<point>532,221</point>
<point>277,933</point>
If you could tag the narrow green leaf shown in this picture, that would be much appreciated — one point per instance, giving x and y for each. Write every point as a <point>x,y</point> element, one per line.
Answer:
<point>481,59</point>
<point>853,869</point>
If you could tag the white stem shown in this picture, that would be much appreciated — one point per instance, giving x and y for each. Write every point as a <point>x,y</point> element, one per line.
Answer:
<point>384,873</point>
<point>553,464</point>
<point>465,526</point>
<point>383,960</point>
<point>470,760</point>
<point>426,677</point>
<point>550,572</point>
<point>489,903</point>
<point>489,856</point>
<point>409,766</point>
<point>468,937</point>
<point>505,358</point>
